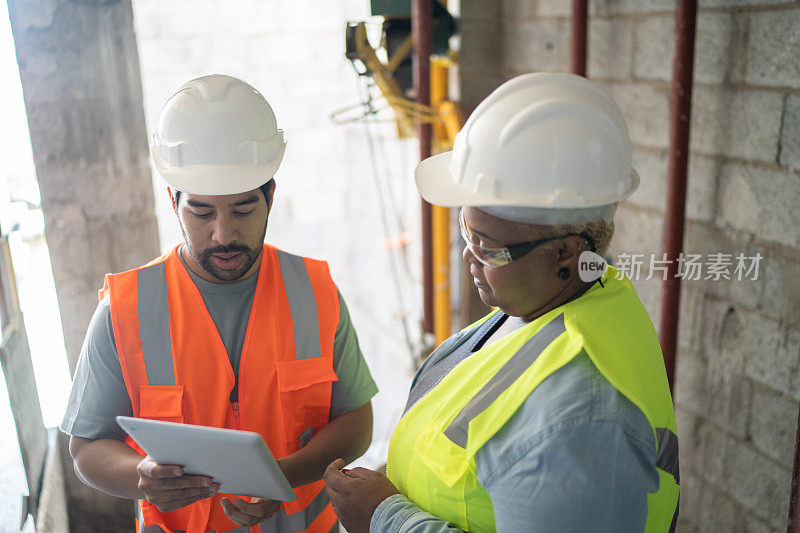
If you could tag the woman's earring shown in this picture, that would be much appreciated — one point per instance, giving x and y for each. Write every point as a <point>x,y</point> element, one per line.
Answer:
<point>564,273</point>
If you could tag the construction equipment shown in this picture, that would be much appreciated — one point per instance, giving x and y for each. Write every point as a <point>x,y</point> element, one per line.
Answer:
<point>390,78</point>
<point>393,76</point>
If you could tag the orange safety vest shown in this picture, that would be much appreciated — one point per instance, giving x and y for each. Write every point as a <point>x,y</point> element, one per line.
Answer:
<point>176,368</point>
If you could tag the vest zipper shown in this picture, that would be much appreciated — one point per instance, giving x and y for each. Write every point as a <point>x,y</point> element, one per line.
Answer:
<point>238,425</point>
<point>236,422</point>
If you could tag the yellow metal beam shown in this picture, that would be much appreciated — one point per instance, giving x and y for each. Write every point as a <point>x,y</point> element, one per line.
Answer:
<point>440,216</point>
<point>400,54</point>
<point>384,80</point>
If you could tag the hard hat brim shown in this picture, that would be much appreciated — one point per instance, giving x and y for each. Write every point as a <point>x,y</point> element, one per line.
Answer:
<point>437,186</point>
<point>216,179</point>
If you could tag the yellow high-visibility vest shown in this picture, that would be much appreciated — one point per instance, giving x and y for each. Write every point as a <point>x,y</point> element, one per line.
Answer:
<point>432,452</point>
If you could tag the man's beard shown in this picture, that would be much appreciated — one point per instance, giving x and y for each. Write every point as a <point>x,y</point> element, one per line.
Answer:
<point>251,255</point>
<point>205,261</point>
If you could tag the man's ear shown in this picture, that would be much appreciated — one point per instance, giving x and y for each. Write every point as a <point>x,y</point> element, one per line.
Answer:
<point>270,195</point>
<point>173,200</point>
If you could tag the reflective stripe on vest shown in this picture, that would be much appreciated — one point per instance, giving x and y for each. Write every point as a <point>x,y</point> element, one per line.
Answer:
<point>298,291</point>
<point>297,521</point>
<point>141,528</point>
<point>667,454</point>
<point>667,460</point>
<point>151,288</point>
<point>508,374</point>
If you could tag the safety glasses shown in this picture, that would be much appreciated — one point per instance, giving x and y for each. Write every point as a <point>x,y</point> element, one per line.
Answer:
<point>497,257</point>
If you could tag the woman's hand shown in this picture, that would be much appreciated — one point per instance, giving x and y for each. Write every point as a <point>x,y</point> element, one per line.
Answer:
<point>356,494</point>
<point>246,514</point>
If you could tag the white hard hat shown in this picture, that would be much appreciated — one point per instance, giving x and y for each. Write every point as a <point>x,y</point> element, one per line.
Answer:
<point>544,148</point>
<point>217,135</point>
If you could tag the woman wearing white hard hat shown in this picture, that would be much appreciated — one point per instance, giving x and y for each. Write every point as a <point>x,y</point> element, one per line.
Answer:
<point>553,413</point>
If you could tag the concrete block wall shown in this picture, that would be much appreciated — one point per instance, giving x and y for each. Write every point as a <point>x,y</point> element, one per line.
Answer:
<point>738,368</point>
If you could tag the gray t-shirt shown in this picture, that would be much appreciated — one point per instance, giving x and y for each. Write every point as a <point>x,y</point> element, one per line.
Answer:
<point>98,389</point>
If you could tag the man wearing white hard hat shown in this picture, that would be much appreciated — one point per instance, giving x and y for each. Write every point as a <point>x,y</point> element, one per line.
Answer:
<point>223,331</point>
<point>552,413</point>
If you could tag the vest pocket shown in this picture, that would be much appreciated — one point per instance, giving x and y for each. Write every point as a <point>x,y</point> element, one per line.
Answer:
<point>304,386</point>
<point>161,402</point>
<point>438,475</point>
<point>448,461</point>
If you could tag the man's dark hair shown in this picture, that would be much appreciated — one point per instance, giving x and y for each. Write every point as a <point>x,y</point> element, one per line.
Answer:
<point>176,194</point>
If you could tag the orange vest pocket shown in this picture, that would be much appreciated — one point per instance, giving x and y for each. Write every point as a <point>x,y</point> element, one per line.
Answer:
<point>304,386</point>
<point>161,402</point>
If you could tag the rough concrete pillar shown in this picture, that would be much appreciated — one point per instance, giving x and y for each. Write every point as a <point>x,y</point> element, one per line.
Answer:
<point>79,67</point>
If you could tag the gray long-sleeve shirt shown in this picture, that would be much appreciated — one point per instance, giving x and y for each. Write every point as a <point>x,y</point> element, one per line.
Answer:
<point>576,456</point>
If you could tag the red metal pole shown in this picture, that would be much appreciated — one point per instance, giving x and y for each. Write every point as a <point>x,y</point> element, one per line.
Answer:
<point>578,57</point>
<point>680,108</point>
<point>421,31</point>
<point>793,525</point>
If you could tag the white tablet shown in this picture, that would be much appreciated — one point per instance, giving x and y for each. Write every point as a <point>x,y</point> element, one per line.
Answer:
<point>239,461</point>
